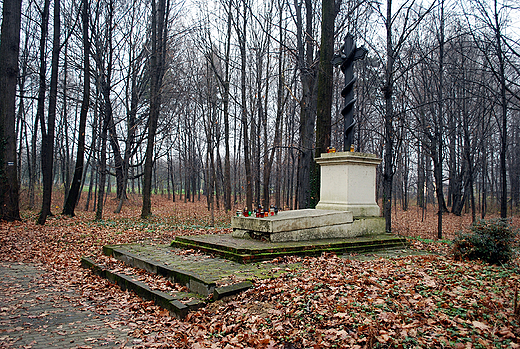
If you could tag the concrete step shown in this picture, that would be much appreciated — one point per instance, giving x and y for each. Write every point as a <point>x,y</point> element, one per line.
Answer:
<point>177,303</point>
<point>249,250</point>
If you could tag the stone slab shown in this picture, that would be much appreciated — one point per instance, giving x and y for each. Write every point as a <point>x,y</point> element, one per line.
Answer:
<point>231,290</point>
<point>250,250</point>
<point>358,227</point>
<point>307,224</point>
<point>293,220</point>
<point>187,278</point>
<point>126,282</point>
<point>216,272</point>
<point>349,157</point>
<point>358,210</point>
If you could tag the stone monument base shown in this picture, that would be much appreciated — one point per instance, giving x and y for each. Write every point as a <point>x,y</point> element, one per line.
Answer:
<point>348,183</point>
<point>307,224</point>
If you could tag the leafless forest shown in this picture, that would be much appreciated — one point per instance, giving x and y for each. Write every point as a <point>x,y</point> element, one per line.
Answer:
<point>232,99</point>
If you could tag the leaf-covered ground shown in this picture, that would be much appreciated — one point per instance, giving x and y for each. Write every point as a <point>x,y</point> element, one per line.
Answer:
<point>416,301</point>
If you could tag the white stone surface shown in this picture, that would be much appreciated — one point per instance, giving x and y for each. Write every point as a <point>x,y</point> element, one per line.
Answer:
<point>292,220</point>
<point>308,224</point>
<point>348,183</point>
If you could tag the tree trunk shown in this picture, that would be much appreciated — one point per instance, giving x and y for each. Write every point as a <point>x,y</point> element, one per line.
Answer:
<point>244,113</point>
<point>47,151</point>
<point>106,83</point>
<point>227,163</point>
<point>307,104</point>
<point>118,159</point>
<point>276,149</point>
<point>67,151</point>
<point>280,102</point>
<point>324,92</point>
<point>40,109</point>
<point>157,71</point>
<point>102,171</point>
<point>503,105</point>
<point>9,50</point>
<point>439,131</point>
<point>388,171</point>
<point>24,65</point>
<point>72,198</point>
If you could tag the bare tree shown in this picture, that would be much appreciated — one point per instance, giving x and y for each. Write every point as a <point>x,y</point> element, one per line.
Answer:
<point>241,37</point>
<point>393,50</point>
<point>103,45</point>
<point>159,33</point>
<point>308,70</point>
<point>47,150</point>
<point>73,195</point>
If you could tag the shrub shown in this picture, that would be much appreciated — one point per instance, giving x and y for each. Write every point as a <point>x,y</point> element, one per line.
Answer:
<point>489,240</point>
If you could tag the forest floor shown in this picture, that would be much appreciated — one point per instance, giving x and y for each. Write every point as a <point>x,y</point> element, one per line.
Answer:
<point>328,301</point>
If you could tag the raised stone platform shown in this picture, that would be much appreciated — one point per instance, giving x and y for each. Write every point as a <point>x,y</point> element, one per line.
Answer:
<point>307,224</point>
<point>249,250</point>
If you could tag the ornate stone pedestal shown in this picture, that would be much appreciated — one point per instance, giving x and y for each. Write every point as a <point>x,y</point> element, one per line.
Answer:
<point>348,183</point>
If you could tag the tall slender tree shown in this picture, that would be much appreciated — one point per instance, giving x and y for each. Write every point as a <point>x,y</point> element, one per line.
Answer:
<point>388,170</point>
<point>72,198</point>
<point>393,50</point>
<point>242,34</point>
<point>105,85</point>
<point>157,62</point>
<point>47,150</point>
<point>308,71</point>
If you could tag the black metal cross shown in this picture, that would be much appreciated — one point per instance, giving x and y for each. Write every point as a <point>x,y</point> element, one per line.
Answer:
<point>347,55</point>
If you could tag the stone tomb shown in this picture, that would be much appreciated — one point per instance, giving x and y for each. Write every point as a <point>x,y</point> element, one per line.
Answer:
<point>301,225</point>
<point>347,206</point>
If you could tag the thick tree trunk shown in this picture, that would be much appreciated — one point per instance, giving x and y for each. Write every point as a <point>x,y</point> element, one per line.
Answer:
<point>9,50</point>
<point>307,105</point>
<point>324,92</point>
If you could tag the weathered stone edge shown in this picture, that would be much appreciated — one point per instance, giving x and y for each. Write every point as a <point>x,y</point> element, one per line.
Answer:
<point>238,253</point>
<point>208,248</point>
<point>162,299</point>
<point>270,254</point>
<point>191,280</point>
<point>231,290</point>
